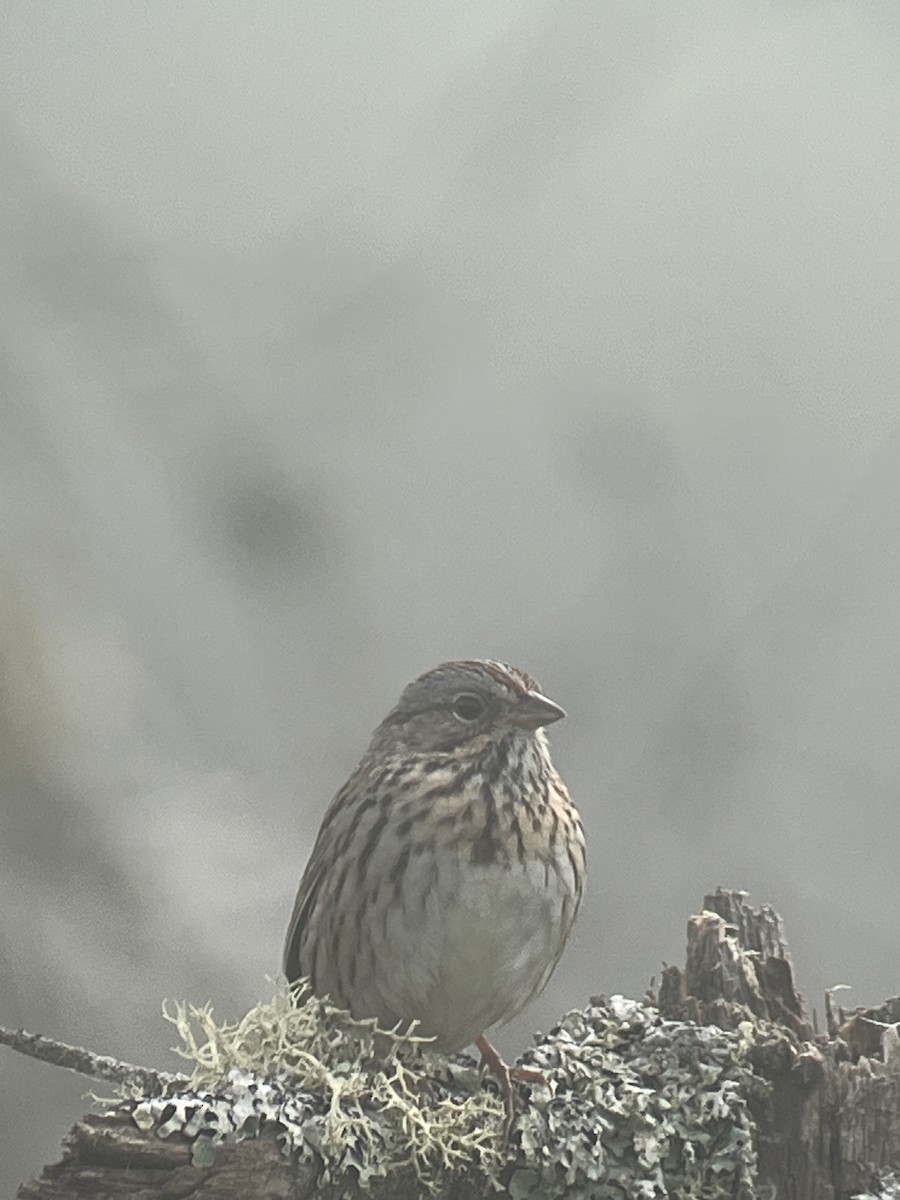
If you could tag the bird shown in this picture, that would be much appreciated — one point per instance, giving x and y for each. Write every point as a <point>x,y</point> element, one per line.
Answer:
<point>449,869</point>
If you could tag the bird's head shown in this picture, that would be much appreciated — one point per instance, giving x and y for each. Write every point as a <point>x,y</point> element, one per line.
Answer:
<point>465,705</point>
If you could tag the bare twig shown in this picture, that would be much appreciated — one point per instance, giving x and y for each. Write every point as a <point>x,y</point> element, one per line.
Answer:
<point>96,1066</point>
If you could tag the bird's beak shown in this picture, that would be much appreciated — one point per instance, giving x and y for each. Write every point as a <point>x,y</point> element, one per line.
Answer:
<point>534,711</point>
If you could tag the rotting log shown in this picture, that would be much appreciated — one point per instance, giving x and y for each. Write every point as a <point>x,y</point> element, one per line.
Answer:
<point>822,1110</point>
<point>828,1122</point>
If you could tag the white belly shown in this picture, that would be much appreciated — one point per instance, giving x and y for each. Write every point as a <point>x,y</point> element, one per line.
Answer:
<point>471,944</point>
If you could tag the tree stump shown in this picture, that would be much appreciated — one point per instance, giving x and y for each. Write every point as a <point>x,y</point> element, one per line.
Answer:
<point>717,1085</point>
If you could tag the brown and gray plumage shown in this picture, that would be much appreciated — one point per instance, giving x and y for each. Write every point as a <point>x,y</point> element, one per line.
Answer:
<point>449,868</point>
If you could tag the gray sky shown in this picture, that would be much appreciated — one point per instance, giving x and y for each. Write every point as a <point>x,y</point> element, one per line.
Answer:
<point>337,343</point>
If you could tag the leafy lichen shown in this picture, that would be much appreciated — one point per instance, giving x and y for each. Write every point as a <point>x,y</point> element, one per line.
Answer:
<point>640,1107</point>
<point>631,1107</point>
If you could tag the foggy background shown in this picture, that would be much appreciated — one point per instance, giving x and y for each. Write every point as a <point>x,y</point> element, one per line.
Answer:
<point>340,339</point>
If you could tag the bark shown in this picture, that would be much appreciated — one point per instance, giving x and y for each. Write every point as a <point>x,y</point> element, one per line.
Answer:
<point>825,1107</point>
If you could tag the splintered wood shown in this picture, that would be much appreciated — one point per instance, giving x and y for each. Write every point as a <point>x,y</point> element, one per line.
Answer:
<point>828,1125</point>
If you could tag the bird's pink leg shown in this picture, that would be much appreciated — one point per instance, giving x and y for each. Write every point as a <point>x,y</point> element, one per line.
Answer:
<point>498,1068</point>
<point>504,1076</point>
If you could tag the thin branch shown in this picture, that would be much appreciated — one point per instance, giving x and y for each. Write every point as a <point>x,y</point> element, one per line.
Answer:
<point>96,1066</point>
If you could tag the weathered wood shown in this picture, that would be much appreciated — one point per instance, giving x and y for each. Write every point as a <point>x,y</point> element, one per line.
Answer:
<point>108,1158</point>
<point>826,1107</point>
<point>830,1117</point>
<point>737,969</point>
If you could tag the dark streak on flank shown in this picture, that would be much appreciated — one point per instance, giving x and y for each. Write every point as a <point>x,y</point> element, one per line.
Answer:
<point>520,841</point>
<point>399,868</point>
<point>554,829</point>
<point>484,848</point>
<point>349,834</point>
<point>334,899</point>
<point>362,863</point>
<point>573,864</point>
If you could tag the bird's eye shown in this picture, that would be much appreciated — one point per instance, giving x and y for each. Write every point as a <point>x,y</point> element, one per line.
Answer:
<point>467,706</point>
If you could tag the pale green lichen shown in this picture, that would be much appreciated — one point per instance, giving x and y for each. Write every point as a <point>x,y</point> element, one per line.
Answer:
<point>633,1107</point>
<point>341,1093</point>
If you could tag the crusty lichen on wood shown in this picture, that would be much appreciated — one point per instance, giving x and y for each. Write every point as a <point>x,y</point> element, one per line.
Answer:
<point>632,1105</point>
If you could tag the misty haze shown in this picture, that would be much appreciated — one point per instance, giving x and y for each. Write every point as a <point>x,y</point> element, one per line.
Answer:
<point>343,339</point>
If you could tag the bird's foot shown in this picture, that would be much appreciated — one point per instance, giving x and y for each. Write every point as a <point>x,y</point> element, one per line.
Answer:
<point>529,1075</point>
<point>504,1075</point>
